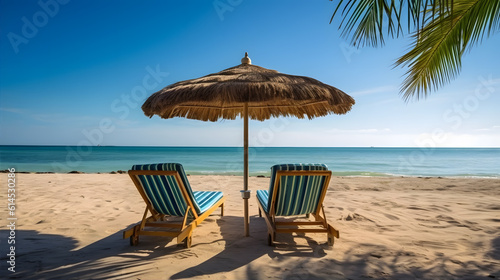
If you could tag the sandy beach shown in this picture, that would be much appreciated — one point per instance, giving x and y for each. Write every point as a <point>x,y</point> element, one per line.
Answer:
<point>69,226</point>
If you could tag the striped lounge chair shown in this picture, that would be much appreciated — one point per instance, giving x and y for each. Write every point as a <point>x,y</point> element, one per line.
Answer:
<point>167,193</point>
<point>296,190</point>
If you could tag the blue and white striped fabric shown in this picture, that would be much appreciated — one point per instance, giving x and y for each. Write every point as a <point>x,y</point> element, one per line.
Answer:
<point>297,195</point>
<point>165,195</point>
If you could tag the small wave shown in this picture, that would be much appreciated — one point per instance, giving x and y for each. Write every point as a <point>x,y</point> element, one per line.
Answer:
<point>362,174</point>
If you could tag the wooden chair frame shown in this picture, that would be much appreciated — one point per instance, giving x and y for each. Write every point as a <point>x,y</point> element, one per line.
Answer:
<point>319,224</point>
<point>184,230</point>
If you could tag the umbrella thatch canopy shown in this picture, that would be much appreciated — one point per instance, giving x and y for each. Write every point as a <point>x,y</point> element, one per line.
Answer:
<point>268,93</point>
<point>248,91</point>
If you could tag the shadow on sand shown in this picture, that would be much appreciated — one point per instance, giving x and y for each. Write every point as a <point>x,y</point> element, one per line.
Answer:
<point>48,256</point>
<point>51,256</point>
<point>316,260</point>
<point>237,254</point>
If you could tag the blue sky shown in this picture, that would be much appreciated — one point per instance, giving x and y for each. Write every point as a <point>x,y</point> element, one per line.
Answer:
<point>77,73</point>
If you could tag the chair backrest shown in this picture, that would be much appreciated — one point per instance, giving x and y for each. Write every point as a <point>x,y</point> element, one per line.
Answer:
<point>300,188</point>
<point>164,191</point>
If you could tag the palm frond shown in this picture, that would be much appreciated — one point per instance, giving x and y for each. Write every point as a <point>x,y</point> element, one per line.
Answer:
<point>435,57</point>
<point>367,17</point>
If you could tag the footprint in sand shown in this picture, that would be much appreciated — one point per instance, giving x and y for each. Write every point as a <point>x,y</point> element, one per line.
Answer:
<point>392,217</point>
<point>467,224</point>
<point>415,208</point>
<point>435,244</point>
<point>448,219</point>
<point>490,206</point>
<point>356,217</point>
<point>185,255</point>
<point>345,186</point>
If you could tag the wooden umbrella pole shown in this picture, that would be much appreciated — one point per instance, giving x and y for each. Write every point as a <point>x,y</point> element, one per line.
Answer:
<point>245,193</point>
<point>245,145</point>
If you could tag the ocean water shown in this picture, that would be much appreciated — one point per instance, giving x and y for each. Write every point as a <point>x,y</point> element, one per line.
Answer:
<point>447,162</point>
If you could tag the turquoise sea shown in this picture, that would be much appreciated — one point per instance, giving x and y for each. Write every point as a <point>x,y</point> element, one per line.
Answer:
<point>448,162</point>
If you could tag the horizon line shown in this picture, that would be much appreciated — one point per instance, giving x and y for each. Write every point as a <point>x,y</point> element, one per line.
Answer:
<point>178,146</point>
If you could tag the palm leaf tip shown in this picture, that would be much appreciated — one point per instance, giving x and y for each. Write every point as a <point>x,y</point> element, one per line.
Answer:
<point>443,30</point>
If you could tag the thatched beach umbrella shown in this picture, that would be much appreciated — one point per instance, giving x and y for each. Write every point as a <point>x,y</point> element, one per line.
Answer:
<point>248,91</point>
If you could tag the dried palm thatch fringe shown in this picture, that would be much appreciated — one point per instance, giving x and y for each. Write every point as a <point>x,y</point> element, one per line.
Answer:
<point>268,93</point>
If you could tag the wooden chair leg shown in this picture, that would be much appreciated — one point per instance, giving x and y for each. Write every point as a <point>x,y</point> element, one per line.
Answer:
<point>188,241</point>
<point>271,237</point>
<point>331,240</point>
